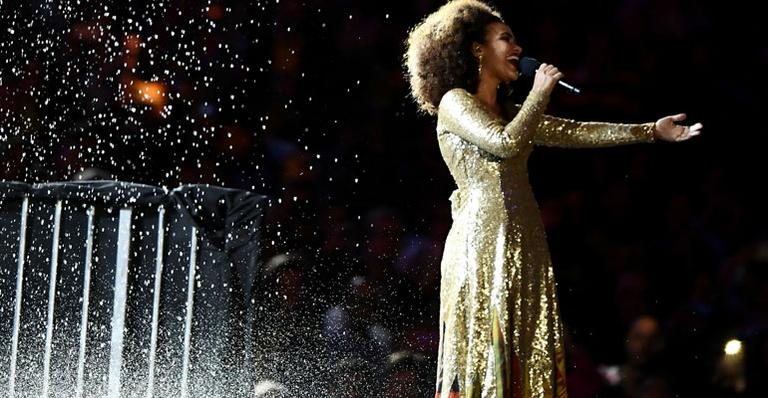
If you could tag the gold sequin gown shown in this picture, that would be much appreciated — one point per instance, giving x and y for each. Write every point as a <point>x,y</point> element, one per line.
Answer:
<point>500,330</point>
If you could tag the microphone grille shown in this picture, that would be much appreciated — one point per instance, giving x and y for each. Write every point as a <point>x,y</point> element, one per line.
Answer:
<point>528,66</point>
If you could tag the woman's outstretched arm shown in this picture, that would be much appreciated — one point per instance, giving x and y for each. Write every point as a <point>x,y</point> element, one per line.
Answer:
<point>555,131</point>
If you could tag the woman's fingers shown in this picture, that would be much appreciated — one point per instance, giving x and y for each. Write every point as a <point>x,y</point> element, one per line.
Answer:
<point>689,131</point>
<point>550,70</point>
<point>547,67</point>
<point>547,76</point>
<point>696,129</point>
<point>679,117</point>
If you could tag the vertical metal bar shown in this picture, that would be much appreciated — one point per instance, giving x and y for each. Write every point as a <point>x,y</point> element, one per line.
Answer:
<point>188,320</point>
<point>156,299</point>
<point>86,299</point>
<point>17,302</point>
<point>51,300</point>
<point>119,303</point>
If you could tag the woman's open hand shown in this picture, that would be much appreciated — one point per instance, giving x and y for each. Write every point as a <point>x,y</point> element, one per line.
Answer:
<point>667,130</point>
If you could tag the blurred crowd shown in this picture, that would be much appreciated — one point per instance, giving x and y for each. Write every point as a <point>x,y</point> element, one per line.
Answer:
<point>660,251</point>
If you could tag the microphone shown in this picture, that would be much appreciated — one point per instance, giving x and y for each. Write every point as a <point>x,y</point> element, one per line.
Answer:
<point>528,68</point>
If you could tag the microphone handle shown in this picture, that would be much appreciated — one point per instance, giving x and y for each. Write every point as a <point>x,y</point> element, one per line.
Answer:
<point>528,67</point>
<point>569,87</point>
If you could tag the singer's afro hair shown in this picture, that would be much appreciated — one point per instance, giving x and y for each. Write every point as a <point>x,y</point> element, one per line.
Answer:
<point>439,57</point>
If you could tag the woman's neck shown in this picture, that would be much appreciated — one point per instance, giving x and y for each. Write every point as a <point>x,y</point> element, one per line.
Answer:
<point>487,91</point>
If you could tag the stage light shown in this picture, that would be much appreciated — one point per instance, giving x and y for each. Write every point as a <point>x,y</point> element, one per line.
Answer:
<point>150,93</point>
<point>733,347</point>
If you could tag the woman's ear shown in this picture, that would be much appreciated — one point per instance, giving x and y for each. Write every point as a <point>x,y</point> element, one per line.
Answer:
<point>477,50</point>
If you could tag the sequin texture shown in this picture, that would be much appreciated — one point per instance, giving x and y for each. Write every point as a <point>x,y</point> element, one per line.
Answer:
<point>500,333</point>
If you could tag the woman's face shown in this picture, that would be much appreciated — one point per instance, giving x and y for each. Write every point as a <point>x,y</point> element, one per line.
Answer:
<point>500,53</point>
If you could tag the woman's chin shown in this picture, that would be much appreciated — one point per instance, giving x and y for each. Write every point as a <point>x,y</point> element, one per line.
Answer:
<point>512,77</point>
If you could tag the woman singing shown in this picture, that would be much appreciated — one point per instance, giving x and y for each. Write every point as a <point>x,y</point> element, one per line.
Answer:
<point>500,331</point>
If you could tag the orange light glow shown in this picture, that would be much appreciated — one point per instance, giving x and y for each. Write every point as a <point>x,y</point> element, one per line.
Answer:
<point>149,93</point>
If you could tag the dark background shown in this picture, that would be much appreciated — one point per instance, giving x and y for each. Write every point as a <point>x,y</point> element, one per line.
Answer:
<point>307,102</point>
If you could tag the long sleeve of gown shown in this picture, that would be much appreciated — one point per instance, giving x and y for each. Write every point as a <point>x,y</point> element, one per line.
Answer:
<point>555,131</point>
<point>462,114</point>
